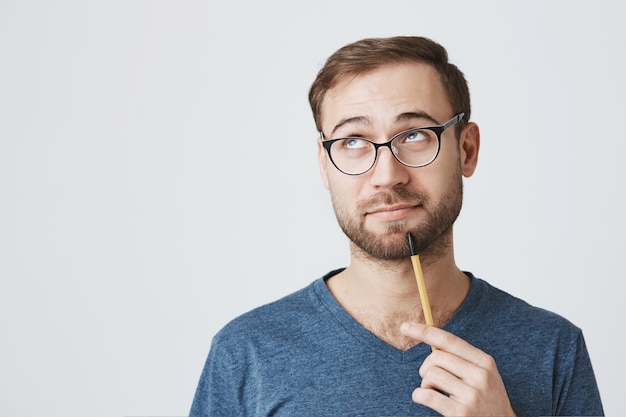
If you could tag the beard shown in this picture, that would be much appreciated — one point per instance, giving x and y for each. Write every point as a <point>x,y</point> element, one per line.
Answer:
<point>433,235</point>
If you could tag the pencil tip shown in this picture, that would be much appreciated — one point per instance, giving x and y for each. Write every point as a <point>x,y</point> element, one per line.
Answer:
<point>411,241</point>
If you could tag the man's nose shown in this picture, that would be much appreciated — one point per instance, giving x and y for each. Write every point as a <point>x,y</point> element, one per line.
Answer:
<point>388,172</point>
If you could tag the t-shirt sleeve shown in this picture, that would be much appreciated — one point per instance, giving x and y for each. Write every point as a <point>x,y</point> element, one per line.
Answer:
<point>218,390</point>
<point>577,389</point>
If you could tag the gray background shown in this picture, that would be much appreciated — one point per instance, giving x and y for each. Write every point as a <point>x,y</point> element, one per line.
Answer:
<point>131,229</point>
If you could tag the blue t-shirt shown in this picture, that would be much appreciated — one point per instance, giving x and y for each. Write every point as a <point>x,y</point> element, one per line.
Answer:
<point>304,355</point>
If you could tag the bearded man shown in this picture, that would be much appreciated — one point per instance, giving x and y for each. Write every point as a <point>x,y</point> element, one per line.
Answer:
<point>395,141</point>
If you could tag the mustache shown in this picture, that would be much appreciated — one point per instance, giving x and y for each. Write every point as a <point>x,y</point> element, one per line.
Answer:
<point>389,198</point>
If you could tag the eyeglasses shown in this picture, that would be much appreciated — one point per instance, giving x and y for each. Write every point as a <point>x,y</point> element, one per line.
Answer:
<point>414,148</point>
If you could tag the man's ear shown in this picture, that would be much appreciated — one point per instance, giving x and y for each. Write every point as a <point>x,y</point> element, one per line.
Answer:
<point>469,144</point>
<point>322,160</point>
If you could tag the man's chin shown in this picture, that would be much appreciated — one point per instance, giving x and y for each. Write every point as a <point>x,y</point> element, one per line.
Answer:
<point>390,245</point>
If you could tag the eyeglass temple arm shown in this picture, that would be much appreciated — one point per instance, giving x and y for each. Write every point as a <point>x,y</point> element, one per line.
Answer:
<point>454,120</point>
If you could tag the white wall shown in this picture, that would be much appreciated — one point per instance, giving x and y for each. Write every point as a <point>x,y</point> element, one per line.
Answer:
<point>131,229</point>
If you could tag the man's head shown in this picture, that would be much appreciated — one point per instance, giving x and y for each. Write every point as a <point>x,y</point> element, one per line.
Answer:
<point>373,89</point>
<point>370,54</point>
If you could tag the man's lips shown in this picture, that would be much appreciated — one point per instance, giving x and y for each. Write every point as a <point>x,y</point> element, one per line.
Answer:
<point>391,212</point>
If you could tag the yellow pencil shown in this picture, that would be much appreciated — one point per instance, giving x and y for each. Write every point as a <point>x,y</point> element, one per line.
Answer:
<point>421,285</point>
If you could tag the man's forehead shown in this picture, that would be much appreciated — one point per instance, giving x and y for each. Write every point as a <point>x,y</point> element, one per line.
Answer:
<point>395,92</point>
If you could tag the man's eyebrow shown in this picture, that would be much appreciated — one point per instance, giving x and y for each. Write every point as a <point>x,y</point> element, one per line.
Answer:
<point>403,117</point>
<point>411,116</point>
<point>358,120</point>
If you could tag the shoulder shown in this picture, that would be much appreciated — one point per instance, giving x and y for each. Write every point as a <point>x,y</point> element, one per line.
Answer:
<point>278,318</point>
<point>512,307</point>
<point>511,317</point>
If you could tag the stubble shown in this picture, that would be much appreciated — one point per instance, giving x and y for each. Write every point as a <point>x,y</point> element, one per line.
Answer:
<point>433,235</point>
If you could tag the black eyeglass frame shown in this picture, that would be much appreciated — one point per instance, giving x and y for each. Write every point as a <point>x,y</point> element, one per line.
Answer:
<point>438,130</point>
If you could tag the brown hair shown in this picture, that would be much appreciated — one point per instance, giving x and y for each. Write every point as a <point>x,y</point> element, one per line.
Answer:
<point>370,54</point>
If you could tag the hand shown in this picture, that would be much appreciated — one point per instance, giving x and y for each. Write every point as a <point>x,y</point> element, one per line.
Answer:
<point>468,375</point>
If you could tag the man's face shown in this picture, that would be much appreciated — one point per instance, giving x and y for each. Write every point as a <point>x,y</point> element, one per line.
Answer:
<point>377,209</point>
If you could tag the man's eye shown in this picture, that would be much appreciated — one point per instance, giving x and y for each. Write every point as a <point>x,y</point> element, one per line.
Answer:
<point>415,136</point>
<point>354,143</point>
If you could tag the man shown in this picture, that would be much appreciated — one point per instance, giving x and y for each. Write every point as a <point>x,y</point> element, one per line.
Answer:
<point>395,141</point>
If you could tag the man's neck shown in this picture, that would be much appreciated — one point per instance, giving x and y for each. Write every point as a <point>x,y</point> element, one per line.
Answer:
<point>381,295</point>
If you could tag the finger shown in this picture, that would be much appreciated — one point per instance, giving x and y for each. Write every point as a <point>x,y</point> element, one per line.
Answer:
<point>446,341</point>
<point>442,380</point>
<point>433,399</point>
<point>466,371</point>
